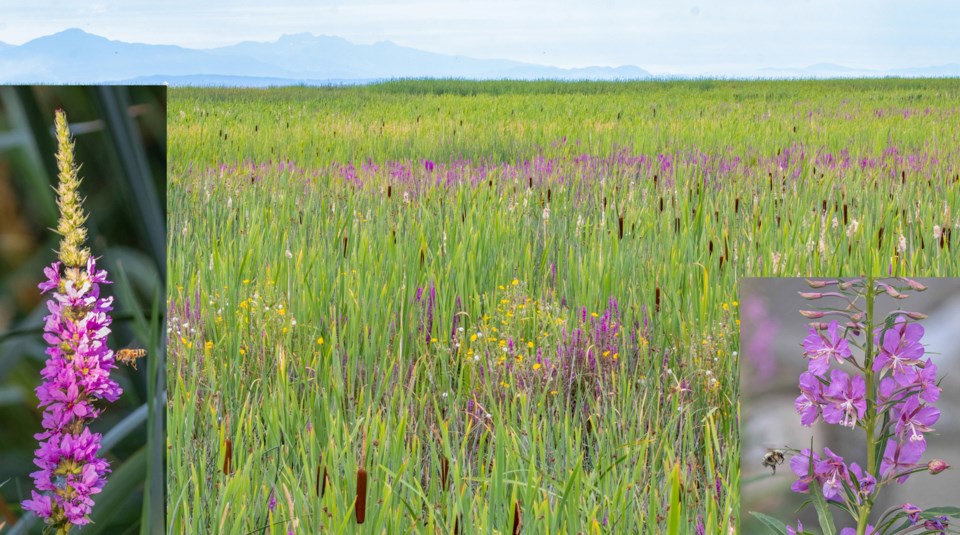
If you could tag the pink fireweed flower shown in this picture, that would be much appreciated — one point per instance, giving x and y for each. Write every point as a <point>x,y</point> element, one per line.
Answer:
<point>846,402</point>
<point>832,473</point>
<point>853,531</point>
<point>820,348</point>
<point>900,456</point>
<point>792,531</point>
<point>913,512</point>
<point>864,481</point>
<point>800,464</point>
<point>925,378</point>
<point>900,351</point>
<point>916,419</point>
<point>810,400</point>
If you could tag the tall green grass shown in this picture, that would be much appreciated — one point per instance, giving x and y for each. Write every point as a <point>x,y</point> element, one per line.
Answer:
<point>295,328</point>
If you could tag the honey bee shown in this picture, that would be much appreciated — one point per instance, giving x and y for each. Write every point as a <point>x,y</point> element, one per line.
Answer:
<point>772,459</point>
<point>130,356</point>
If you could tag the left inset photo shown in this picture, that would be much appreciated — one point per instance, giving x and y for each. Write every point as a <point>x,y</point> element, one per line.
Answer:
<point>82,293</point>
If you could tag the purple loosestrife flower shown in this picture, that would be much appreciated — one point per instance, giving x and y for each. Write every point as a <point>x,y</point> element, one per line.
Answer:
<point>821,348</point>
<point>77,373</point>
<point>846,401</point>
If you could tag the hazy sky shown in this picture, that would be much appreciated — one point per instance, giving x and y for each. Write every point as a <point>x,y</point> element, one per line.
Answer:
<point>662,36</point>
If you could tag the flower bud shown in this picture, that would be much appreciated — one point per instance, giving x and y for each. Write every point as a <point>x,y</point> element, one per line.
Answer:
<point>937,465</point>
<point>817,284</point>
<point>812,314</point>
<point>811,295</point>
<point>916,315</point>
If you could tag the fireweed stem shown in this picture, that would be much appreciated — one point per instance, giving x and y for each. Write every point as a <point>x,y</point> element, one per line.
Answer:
<point>871,416</point>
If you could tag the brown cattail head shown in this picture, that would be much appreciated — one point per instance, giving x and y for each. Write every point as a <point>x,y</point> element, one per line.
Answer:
<point>710,248</point>
<point>661,203</point>
<point>880,239</point>
<point>344,245</point>
<point>621,227</point>
<point>656,299</point>
<point>227,458</point>
<point>548,194</point>
<point>517,521</point>
<point>389,190</point>
<point>529,182</point>
<point>361,495</point>
<point>444,471</point>
<point>736,205</point>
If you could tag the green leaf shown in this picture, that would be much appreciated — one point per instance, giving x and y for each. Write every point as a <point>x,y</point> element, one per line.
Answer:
<point>772,523</point>
<point>673,522</point>
<point>823,510</point>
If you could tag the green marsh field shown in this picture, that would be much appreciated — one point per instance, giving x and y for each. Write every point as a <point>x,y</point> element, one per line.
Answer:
<point>511,303</point>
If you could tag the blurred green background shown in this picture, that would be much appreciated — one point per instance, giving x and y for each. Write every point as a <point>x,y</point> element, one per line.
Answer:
<point>120,138</point>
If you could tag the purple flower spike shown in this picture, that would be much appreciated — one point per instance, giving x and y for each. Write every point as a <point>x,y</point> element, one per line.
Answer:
<point>76,375</point>
<point>820,349</point>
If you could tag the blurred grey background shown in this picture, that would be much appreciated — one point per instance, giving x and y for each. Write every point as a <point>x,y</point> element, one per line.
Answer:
<point>771,332</point>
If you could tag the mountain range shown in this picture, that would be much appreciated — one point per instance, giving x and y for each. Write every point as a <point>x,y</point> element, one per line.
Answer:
<point>75,57</point>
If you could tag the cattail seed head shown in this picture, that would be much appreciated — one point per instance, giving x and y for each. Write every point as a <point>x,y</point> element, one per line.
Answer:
<point>361,495</point>
<point>227,457</point>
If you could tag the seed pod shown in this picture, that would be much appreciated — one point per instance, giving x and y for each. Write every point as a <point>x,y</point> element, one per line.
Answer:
<point>361,495</point>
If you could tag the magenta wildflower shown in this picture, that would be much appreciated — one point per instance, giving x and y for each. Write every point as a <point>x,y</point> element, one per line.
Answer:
<point>898,456</point>
<point>926,379</point>
<point>913,512</point>
<point>938,524</point>
<point>846,399</point>
<point>800,464</point>
<point>853,531</point>
<point>792,531</point>
<point>272,502</point>
<point>821,348</point>
<point>916,419</point>
<point>864,480</point>
<point>77,373</point>
<point>810,400</point>
<point>900,352</point>
<point>832,472</point>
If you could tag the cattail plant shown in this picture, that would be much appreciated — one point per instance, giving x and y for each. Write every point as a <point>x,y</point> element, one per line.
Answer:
<point>77,373</point>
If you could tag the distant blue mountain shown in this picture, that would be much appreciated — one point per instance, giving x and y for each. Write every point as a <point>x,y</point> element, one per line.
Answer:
<point>74,56</point>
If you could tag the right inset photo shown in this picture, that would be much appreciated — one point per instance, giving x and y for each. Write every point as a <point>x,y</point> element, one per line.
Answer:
<point>849,404</point>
